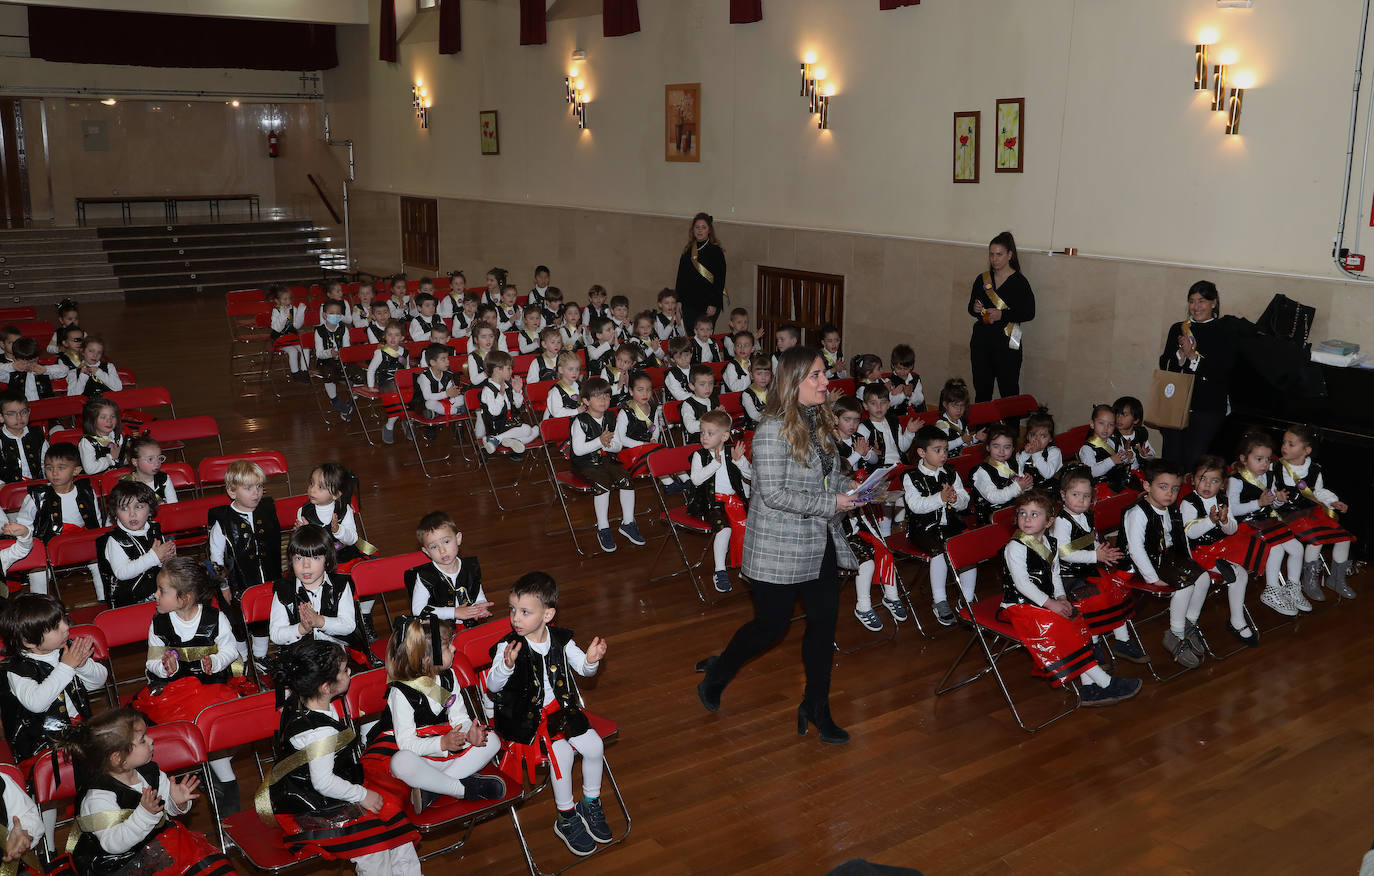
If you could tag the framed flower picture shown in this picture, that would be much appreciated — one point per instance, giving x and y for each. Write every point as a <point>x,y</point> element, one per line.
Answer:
<point>966,132</point>
<point>682,122</point>
<point>1011,134</point>
<point>490,133</point>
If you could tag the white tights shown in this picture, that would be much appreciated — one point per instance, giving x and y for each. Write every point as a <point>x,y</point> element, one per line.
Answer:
<point>602,503</point>
<point>524,434</point>
<point>1340,552</point>
<point>939,571</point>
<point>297,358</point>
<point>589,746</point>
<point>863,587</point>
<point>223,768</point>
<point>721,546</point>
<point>442,776</point>
<point>400,861</point>
<point>1185,606</point>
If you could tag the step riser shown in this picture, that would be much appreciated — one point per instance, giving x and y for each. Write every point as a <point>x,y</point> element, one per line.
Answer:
<point>111,231</point>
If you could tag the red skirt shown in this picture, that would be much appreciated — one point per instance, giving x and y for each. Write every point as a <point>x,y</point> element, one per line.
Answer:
<point>191,854</point>
<point>636,459</point>
<point>1258,543</point>
<point>290,339</point>
<point>1318,528</point>
<point>1111,606</point>
<point>352,838</point>
<point>183,699</point>
<point>376,762</point>
<point>1234,548</point>
<point>1059,646</point>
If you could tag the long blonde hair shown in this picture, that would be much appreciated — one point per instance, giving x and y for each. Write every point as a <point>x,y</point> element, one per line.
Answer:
<point>410,653</point>
<point>793,367</point>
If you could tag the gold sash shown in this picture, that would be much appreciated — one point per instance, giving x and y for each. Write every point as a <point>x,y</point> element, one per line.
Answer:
<point>701,269</point>
<point>432,689</point>
<point>1307,491</point>
<point>1086,541</point>
<point>997,302</point>
<point>949,427</point>
<point>98,821</point>
<point>262,800</point>
<point>192,655</point>
<point>760,394</point>
<point>10,868</point>
<point>1249,477</point>
<point>640,415</point>
<point>1002,468</point>
<point>1100,444</point>
<point>390,351</point>
<point>1041,549</point>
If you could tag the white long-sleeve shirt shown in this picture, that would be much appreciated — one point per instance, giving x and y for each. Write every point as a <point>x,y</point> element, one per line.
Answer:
<point>993,495</point>
<point>285,319</point>
<point>582,445</point>
<point>24,469</point>
<point>575,657</point>
<point>690,423</point>
<point>717,471</point>
<point>107,373</point>
<point>218,543</point>
<point>736,379</point>
<point>322,775</point>
<point>18,804</point>
<point>284,632</point>
<point>403,723</point>
<point>348,526</point>
<point>897,393</point>
<point>1015,555</point>
<point>375,363</point>
<point>918,503</point>
<point>56,371</point>
<point>89,463</point>
<point>168,494</point>
<point>38,696</point>
<point>1047,462</point>
<point>622,427</point>
<point>752,409</point>
<point>495,402</point>
<point>124,568</point>
<point>893,446</point>
<point>556,407</point>
<point>476,373</point>
<point>418,332</point>
<point>1087,455</point>
<point>15,552</point>
<point>329,352</point>
<point>419,597</point>
<point>185,630</point>
<point>1063,534</point>
<point>70,513</point>
<point>1133,525</point>
<point>532,376</point>
<point>135,829</point>
<point>1196,526</point>
<point>1238,508</point>
<point>1299,473</point>
<point>678,388</point>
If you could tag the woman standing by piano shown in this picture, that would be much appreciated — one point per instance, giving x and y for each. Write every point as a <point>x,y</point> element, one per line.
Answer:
<point>1203,345</point>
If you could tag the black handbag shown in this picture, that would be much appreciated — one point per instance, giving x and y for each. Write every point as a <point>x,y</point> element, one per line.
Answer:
<point>1286,318</point>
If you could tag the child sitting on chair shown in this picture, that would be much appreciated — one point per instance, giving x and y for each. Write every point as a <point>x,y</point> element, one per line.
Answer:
<point>867,370</point>
<point>719,494</point>
<point>570,328</point>
<point>1041,459</point>
<point>68,314</point>
<point>755,396</point>
<point>146,457</point>
<point>94,376</point>
<point>502,397</point>
<point>313,600</point>
<point>676,383</point>
<point>380,319</point>
<point>1296,474</point>
<point>1254,497</point>
<point>601,350</point>
<point>704,347</point>
<point>739,322</point>
<point>668,319</point>
<point>953,407</point>
<point>703,398</point>
<point>34,379</point>
<point>528,338</point>
<point>650,349</point>
<point>1050,627</point>
<point>132,553</point>
<point>904,384</point>
<point>564,399</point>
<point>389,357</point>
<point>596,308</point>
<point>736,373</point>
<point>287,321</point>
<point>639,425</point>
<point>63,504</point>
<point>21,448</point>
<point>331,336</point>
<point>465,317</point>
<point>535,663</point>
<point>1214,541</point>
<point>1130,433</point>
<point>545,365</point>
<point>830,352</point>
<point>620,315</point>
<point>330,489</point>
<point>935,502</point>
<point>1109,462</point>
<point>995,482</point>
<point>425,319</point>
<point>594,460</point>
<point>245,546</point>
<point>448,586</point>
<point>437,393</point>
<point>102,441</point>
<point>619,372</point>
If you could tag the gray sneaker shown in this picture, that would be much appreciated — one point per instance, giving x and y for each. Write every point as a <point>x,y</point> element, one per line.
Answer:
<point>388,435</point>
<point>1337,581</point>
<point>1311,585</point>
<point>1180,651</point>
<point>869,619</point>
<point>944,614</point>
<point>574,834</point>
<point>1277,599</point>
<point>1299,601</point>
<point>896,608</point>
<point>1195,640</point>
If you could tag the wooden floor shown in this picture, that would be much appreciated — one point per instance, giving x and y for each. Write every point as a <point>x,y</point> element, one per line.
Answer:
<point>1261,764</point>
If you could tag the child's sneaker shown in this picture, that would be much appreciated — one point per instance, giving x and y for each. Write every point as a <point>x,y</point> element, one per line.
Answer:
<point>631,532</point>
<point>1180,650</point>
<point>595,819</point>
<point>388,435</point>
<point>517,448</point>
<point>869,619</point>
<point>674,488</point>
<point>1275,598</point>
<point>489,445</point>
<point>1101,653</point>
<point>1194,635</point>
<point>430,432</point>
<point>944,614</point>
<point>300,376</point>
<point>1297,599</point>
<point>896,607</point>
<point>1337,581</point>
<point>480,787</point>
<point>1120,689</point>
<point>606,540</point>
<point>1129,651</point>
<point>572,830</point>
<point>1311,586</point>
<point>723,581</point>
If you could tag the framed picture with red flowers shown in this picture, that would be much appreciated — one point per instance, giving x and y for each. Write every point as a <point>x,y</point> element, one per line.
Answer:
<point>490,133</point>
<point>1011,134</point>
<point>966,130</point>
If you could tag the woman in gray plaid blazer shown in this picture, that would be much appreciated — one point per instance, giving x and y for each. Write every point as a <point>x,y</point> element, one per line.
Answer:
<point>793,545</point>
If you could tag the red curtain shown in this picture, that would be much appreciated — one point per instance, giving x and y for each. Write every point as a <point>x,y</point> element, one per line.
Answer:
<point>387,50</point>
<point>450,28</point>
<point>619,17</point>
<point>897,4</point>
<point>746,11</point>
<point>533,28</point>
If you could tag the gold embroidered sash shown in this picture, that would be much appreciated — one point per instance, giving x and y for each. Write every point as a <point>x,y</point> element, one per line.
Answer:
<point>432,689</point>
<point>1002,468</point>
<point>262,799</point>
<point>98,821</point>
<point>1010,330</point>
<point>1100,444</point>
<point>704,271</point>
<point>1249,477</point>
<point>1306,491</point>
<point>10,868</point>
<point>1041,549</point>
<point>1085,542</point>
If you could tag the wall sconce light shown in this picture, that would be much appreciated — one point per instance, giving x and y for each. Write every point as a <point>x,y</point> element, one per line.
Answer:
<point>1228,58</point>
<point>576,95</point>
<point>420,102</point>
<point>1243,81</point>
<point>823,109</point>
<point>816,91</point>
<point>1204,39</point>
<point>807,83</point>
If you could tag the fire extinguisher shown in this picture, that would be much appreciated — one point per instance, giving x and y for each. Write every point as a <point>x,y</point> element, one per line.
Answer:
<point>273,144</point>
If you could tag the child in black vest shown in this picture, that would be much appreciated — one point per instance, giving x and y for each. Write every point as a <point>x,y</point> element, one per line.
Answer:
<point>668,318</point>
<point>935,501</point>
<point>887,440</point>
<point>1131,433</point>
<point>24,824</point>
<point>146,457</point>
<point>21,449</point>
<point>995,482</point>
<point>331,489</point>
<point>1109,462</point>
<point>704,347</point>
<point>132,553</point>
<point>601,349</point>
<point>536,701</point>
<point>391,356</point>
<point>564,398</point>
<point>545,365</point>
<point>125,803</point>
<point>676,384</point>
<point>1254,496</point>
<point>639,425</point>
<point>596,308</point>
<point>426,744</point>
<point>245,547</point>
<point>380,318</point>
<point>331,336</point>
<point>322,805</point>
<point>531,324</point>
<point>448,587</point>
<point>437,392</point>
<point>425,320</point>
<point>1155,542</point>
<point>63,503</point>
<point>192,655</point>
<point>650,352</point>
<point>867,369</point>
<point>313,600</point>
<point>593,458</point>
<point>1215,541</point>
<point>904,384</point>
<point>33,378</point>
<point>755,395</point>
<point>68,314</point>
<point>719,493</point>
<point>503,398</point>
<point>570,329</point>
<point>1046,621</point>
<point>619,372</point>
<point>1310,513</point>
<point>703,398</point>
<point>1041,459</point>
<point>831,354</point>
<point>953,406</point>
<point>285,325</point>
<point>102,441</point>
<point>94,377</point>
<point>736,374</point>
<point>69,342</point>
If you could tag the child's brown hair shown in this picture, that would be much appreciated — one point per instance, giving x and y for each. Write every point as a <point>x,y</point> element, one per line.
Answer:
<point>410,653</point>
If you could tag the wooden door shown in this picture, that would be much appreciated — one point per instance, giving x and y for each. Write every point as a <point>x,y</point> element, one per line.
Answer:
<point>803,298</point>
<point>13,166</point>
<point>420,233</point>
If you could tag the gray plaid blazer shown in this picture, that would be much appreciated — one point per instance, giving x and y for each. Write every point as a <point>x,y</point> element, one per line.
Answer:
<point>791,513</point>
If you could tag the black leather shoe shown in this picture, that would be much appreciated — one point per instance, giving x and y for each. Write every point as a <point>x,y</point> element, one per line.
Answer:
<point>830,732</point>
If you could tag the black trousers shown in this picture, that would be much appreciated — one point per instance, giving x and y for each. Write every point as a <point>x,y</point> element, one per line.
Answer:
<point>1184,446</point>
<point>773,604</point>
<point>991,358</point>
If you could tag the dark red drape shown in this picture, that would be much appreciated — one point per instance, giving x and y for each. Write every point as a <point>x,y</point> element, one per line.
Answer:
<point>387,50</point>
<point>619,17</point>
<point>897,4</point>
<point>746,11</point>
<point>533,28</point>
<point>450,28</point>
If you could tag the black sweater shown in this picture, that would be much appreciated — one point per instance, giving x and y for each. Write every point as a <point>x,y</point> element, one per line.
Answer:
<point>693,290</point>
<point>1016,292</point>
<point>1216,344</point>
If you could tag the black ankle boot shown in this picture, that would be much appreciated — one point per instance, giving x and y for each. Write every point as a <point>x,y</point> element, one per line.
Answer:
<point>830,732</point>
<point>708,691</point>
<point>368,629</point>
<point>226,797</point>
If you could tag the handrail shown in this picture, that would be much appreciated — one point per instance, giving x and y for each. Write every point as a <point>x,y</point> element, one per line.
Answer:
<point>323,197</point>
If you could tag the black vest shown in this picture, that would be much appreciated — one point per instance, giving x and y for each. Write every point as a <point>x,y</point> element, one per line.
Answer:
<point>128,591</point>
<point>42,385</point>
<point>1154,532</point>
<point>982,508</point>
<point>207,628</point>
<point>427,325</point>
<point>753,392</point>
<point>95,387</point>
<point>159,484</point>
<point>387,368</point>
<point>572,338</point>
<point>596,364</point>
<point>343,553</point>
<point>544,371</point>
<point>47,521</point>
<point>592,431</point>
<point>1213,535</point>
<point>30,444</point>
<point>291,593</point>
<point>703,497</point>
<point>568,398</point>
<point>333,339</point>
<point>1040,570</point>
<point>294,793</point>
<point>507,419</point>
<point>1116,476</point>
<point>1139,438</point>
<point>638,429</point>
<point>28,732</point>
<point>1078,570</point>
<point>376,334</point>
<point>427,712</point>
<point>875,436</point>
<point>1251,493</point>
<point>952,431</point>
<point>661,319</point>
<point>442,593</point>
<point>253,555</point>
<point>907,386</point>
<point>699,408</point>
<point>104,451</point>
<point>710,353</point>
<point>90,856</point>
<point>1038,480</point>
<point>1282,481</point>
<point>680,376</point>
<point>930,523</point>
<point>519,705</point>
<point>737,370</point>
<point>526,340</point>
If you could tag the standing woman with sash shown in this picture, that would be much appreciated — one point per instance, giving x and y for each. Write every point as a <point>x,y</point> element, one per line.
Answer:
<point>701,273</point>
<point>1203,345</point>
<point>1001,301</point>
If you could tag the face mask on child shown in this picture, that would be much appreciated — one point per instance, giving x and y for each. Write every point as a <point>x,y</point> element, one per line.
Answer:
<point>334,318</point>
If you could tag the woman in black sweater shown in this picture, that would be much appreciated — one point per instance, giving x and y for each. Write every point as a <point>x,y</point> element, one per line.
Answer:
<point>701,273</point>
<point>1001,300</point>
<point>1203,345</point>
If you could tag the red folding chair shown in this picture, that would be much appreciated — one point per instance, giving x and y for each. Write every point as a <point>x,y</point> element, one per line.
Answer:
<point>68,552</point>
<point>142,397</point>
<point>173,434</point>
<point>100,652</point>
<point>60,407</point>
<point>378,577</point>
<point>995,638</point>
<point>1017,406</point>
<point>180,474</point>
<point>732,403</point>
<point>127,378</point>
<point>211,470</point>
<point>232,725</point>
<point>555,435</point>
<point>472,398</point>
<point>127,625</point>
<point>187,522</point>
<point>521,362</point>
<point>672,422</point>
<point>405,387</point>
<point>537,396</point>
<point>981,414</point>
<point>245,295</point>
<point>1005,518</point>
<point>355,360</point>
<point>674,462</point>
<point>17,314</point>
<point>12,494</point>
<point>843,385</point>
<point>69,436</point>
<point>1071,441</point>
